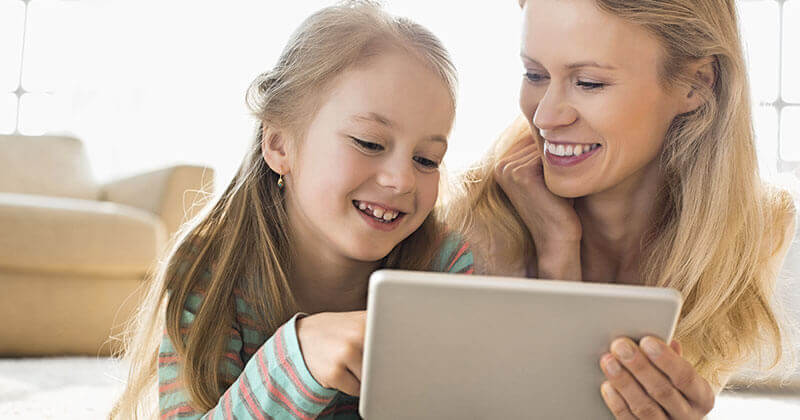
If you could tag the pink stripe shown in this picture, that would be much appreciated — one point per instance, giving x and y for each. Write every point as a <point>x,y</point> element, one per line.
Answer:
<point>246,393</point>
<point>163,389</point>
<point>460,252</point>
<point>179,410</point>
<point>163,360</point>
<point>228,413</point>
<point>274,391</point>
<point>292,374</point>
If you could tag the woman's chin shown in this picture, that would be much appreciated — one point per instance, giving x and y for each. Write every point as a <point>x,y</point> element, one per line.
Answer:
<point>567,188</point>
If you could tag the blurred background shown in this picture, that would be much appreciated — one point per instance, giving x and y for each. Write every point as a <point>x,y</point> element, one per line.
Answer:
<point>152,84</point>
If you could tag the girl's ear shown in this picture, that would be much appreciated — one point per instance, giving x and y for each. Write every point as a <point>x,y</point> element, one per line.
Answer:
<point>703,74</point>
<point>274,148</point>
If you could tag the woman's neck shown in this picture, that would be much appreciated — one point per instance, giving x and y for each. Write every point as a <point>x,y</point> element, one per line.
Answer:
<point>324,281</point>
<point>614,223</point>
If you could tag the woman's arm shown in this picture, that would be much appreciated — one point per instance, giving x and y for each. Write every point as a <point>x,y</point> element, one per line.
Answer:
<point>553,223</point>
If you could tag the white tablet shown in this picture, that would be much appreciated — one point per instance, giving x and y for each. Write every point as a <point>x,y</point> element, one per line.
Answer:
<point>450,346</point>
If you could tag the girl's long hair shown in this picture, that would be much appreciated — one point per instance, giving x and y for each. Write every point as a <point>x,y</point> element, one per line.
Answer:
<point>719,230</point>
<point>240,240</point>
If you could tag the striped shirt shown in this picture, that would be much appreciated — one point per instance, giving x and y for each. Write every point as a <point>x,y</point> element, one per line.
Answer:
<point>266,377</point>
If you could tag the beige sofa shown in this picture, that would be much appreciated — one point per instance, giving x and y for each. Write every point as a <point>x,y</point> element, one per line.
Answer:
<point>73,253</point>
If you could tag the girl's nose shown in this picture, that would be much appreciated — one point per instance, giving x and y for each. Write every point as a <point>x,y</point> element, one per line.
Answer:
<point>398,175</point>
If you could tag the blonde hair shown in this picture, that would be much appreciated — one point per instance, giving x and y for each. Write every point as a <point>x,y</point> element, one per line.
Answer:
<point>240,241</point>
<point>719,235</point>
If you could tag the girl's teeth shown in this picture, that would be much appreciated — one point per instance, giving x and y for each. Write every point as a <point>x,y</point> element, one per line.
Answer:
<point>378,212</point>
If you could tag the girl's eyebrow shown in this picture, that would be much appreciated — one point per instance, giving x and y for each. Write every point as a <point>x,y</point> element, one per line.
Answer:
<point>575,65</point>
<point>374,117</point>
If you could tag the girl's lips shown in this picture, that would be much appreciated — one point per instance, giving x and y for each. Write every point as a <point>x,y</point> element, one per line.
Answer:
<point>383,226</point>
<point>566,161</point>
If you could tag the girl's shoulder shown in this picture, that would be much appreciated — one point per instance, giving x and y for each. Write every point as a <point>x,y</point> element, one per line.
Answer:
<point>454,255</point>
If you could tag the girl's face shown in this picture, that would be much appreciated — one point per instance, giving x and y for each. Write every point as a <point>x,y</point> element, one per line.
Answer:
<point>591,89</point>
<point>367,173</point>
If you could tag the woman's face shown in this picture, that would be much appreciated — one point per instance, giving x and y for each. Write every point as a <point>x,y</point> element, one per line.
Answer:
<point>591,89</point>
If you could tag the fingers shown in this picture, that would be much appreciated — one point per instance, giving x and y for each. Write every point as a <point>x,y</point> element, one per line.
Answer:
<point>347,382</point>
<point>676,347</point>
<point>516,158</point>
<point>680,373</point>
<point>653,381</point>
<point>638,401</point>
<point>615,402</point>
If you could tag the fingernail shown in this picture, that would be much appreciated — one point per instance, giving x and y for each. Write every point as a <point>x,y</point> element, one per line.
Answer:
<point>651,347</point>
<point>612,367</point>
<point>623,350</point>
<point>606,389</point>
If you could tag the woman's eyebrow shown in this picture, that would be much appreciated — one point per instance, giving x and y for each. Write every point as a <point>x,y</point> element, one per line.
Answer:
<point>575,65</point>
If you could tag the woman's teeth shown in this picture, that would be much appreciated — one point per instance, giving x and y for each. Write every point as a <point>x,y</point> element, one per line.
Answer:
<point>377,212</point>
<point>569,150</point>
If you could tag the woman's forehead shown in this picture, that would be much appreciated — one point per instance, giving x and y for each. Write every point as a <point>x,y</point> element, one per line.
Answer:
<point>562,33</point>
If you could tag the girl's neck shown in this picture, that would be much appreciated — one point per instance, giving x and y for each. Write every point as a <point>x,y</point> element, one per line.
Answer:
<point>323,281</point>
<point>614,223</point>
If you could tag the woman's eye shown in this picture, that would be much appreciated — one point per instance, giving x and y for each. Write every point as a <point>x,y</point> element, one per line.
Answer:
<point>534,77</point>
<point>426,162</point>
<point>368,145</point>
<point>590,85</point>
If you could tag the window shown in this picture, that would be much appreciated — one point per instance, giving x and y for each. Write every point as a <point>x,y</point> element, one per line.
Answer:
<point>118,74</point>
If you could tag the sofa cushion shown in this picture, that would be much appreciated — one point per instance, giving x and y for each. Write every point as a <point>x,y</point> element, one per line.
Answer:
<point>49,234</point>
<point>45,165</point>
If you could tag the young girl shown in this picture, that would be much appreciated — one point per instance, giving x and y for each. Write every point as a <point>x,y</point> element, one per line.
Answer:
<point>635,163</point>
<point>341,180</point>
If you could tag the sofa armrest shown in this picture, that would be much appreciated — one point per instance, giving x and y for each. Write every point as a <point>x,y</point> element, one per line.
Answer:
<point>170,193</point>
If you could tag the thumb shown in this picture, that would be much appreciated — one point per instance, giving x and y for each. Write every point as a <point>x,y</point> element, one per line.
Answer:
<point>676,346</point>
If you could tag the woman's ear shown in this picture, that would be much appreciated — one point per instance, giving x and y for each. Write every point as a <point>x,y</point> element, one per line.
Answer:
<point>703,73</point>
<point>275,149</point>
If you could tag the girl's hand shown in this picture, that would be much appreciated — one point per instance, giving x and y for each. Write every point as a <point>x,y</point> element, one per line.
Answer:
<point>653,381</point>
<point>552,221</point>
<point>332,344</point>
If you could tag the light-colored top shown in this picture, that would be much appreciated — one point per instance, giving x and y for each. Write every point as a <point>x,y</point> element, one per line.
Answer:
<point>266,377</point>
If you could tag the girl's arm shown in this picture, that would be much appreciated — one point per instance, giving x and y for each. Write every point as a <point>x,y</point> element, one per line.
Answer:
<point>275,382</point>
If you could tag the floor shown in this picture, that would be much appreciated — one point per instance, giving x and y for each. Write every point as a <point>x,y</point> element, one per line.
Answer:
<point>83,388</point>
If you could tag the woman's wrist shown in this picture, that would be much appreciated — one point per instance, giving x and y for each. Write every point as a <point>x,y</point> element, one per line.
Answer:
<point>559,260</point>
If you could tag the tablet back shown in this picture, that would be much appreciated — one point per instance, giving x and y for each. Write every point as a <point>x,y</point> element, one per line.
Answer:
<point>448,346</point>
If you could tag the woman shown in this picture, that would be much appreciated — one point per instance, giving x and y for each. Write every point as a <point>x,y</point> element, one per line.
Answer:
<point>635,163</point>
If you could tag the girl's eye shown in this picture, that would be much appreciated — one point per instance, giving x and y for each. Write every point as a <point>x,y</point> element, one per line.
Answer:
<point>427,163</point>
<point>534,77</point>
<point>367,145</point>
<point>590,85</point>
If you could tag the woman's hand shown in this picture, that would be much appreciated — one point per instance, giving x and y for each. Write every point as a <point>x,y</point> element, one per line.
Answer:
<point>552,221</point>
<point>653,381</point>
<point>332,344</point>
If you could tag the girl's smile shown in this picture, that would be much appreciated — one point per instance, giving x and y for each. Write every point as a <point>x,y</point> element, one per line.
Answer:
<point>378,216</point>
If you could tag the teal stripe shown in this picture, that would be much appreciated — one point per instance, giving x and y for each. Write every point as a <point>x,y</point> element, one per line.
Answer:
<point>283,380</point>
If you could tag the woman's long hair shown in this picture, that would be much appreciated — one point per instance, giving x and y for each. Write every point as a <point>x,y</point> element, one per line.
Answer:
<point>719,229</point>
<point>240,240</point>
